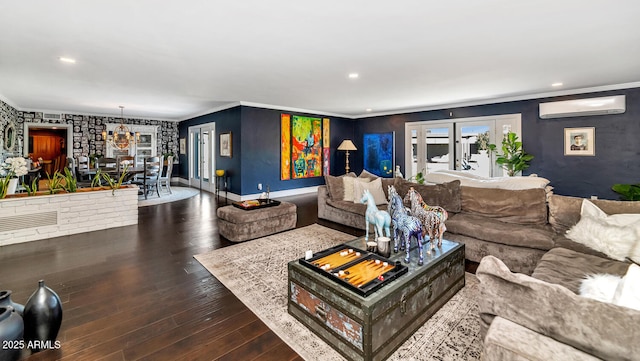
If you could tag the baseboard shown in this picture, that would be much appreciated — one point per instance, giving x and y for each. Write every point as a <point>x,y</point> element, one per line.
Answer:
<point>275,194</point>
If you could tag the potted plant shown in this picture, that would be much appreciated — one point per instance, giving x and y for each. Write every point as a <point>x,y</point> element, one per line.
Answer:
<point>166,156</point>
<point>628,192</point>
<point>92,160</point>
<point>11,169</point>
<point>419,177</point>
<point>513,158</point>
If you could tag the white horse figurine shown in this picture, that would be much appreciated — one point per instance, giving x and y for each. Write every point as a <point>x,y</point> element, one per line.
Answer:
<point>380,219</point>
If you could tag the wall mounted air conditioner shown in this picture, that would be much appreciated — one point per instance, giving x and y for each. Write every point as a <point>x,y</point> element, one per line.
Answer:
<point>582,107</point>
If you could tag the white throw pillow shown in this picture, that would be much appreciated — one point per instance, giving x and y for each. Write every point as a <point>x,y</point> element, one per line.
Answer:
<point>600,287</point>
<point>616,235</point>
<point>348,186</point>
<point>374,187</point>
<point>628,292</point>
<point>621,291</point>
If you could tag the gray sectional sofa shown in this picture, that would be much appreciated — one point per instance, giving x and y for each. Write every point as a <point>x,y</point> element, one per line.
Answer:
<point>509,224</point>
<point>542,316</point>
<point>530,272</point>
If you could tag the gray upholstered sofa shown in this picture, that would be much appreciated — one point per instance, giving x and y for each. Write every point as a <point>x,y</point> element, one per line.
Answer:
<point>542,316</point>
<point>509,224</point>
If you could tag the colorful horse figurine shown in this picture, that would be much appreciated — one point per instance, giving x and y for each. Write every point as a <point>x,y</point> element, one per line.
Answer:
<point>404,224</point>
<point>380,219</point>
<point>432,218</point>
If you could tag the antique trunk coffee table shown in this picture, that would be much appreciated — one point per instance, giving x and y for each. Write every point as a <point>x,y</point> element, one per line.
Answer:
<point>370,325</point>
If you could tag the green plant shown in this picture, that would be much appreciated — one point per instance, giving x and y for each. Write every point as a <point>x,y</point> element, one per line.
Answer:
<point>56,183</point>
<point>33,188</point>
<point>97,179</point>
<point>513,158</point>
<point>4,186</point>
<point>70,182</point>
<point>113,184</point>
<point>419,177</point>
<point>628,192</point>
<point>92,159</point>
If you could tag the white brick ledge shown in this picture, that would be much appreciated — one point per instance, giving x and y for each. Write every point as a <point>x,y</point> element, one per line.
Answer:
<point>76,213</point>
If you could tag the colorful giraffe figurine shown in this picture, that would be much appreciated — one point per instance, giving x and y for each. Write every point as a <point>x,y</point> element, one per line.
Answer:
<point>432,217</point>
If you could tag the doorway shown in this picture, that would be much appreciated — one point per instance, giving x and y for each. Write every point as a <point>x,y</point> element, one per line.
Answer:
<point>51,142</point>
<point>436,145</point>
<point>202,156</point>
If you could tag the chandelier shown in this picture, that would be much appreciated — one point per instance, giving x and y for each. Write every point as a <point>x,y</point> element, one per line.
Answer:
<point>121,137</point>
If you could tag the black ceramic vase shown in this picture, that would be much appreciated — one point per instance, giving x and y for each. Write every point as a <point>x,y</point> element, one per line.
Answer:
<point>5,300</point>
<point>42,317</point>
<point>11,328</point>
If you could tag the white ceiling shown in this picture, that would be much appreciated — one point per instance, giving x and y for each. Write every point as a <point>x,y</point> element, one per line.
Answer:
<point>177,59</point>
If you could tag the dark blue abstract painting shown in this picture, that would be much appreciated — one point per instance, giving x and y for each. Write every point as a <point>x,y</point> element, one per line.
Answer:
<point>379,153</point>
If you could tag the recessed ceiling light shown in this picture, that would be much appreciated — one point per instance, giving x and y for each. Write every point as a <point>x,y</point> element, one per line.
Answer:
<point>556,84</point>
<point>368,109</point>
<point>353,75</point>
<point>67,60</point>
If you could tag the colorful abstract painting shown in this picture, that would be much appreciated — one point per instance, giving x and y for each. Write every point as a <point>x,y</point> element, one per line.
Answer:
<point>326,137</point>
<point>285,146</point>
<point>306,147</point>
<point>379,153</point>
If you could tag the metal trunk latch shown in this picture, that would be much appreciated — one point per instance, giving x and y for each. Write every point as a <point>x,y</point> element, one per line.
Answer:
<point>321,313</point>
<point>403,304</point>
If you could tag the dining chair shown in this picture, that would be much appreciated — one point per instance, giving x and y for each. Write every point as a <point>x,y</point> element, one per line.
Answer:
<point>73,169</point>
<point>149,180</point>
<point>82,168</point>
<point>165,179</point>
<point>106,164</point>
<point>128,160</point>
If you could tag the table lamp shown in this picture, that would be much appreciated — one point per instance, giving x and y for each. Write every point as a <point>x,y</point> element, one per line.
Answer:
<point>347,145</point>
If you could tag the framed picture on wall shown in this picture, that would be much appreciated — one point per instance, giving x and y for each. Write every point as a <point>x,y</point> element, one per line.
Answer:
<point>580,141</point>
<point>379,153</point>
<point>183,145</point>
<point>225,144</point>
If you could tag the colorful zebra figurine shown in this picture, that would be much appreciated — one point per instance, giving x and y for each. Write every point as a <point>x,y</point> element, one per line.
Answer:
<point>404,224</point>
<point>380,219</point>
<point>432,218</point>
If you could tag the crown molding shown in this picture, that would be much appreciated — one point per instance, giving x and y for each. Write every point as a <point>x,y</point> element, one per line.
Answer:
<point>504,99</point>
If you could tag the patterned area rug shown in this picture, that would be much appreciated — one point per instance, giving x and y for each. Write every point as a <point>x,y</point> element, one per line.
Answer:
<point>177,193</point>
<point>256,272</point>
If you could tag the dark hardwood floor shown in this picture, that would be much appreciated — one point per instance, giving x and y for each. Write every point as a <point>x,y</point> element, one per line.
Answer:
<point>136,293</point>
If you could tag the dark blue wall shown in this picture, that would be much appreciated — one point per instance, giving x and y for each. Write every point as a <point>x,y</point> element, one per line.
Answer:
<point>256,147</point>
<point>256,144</point>
<point>227,120</point>
<point>261,149</point>
<point>617,147</point>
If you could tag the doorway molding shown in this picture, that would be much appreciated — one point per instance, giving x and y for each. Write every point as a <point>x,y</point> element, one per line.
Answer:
<point>69,138</point>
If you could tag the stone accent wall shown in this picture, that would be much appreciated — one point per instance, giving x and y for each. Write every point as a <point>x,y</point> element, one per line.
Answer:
<point>87,129</point>
<point>76,213</point>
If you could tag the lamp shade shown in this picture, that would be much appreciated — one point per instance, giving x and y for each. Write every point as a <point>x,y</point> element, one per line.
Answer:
<point>347,144</point>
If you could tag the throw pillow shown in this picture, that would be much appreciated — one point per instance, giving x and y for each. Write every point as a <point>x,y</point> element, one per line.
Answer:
<point>335,186</point>
<point>621,291</point>
<point>374,187</point>
<point>600,287</point>
<point>628,292</point>
<point>348,186</point>
<point>368,175</point>
<point>616,235</point>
